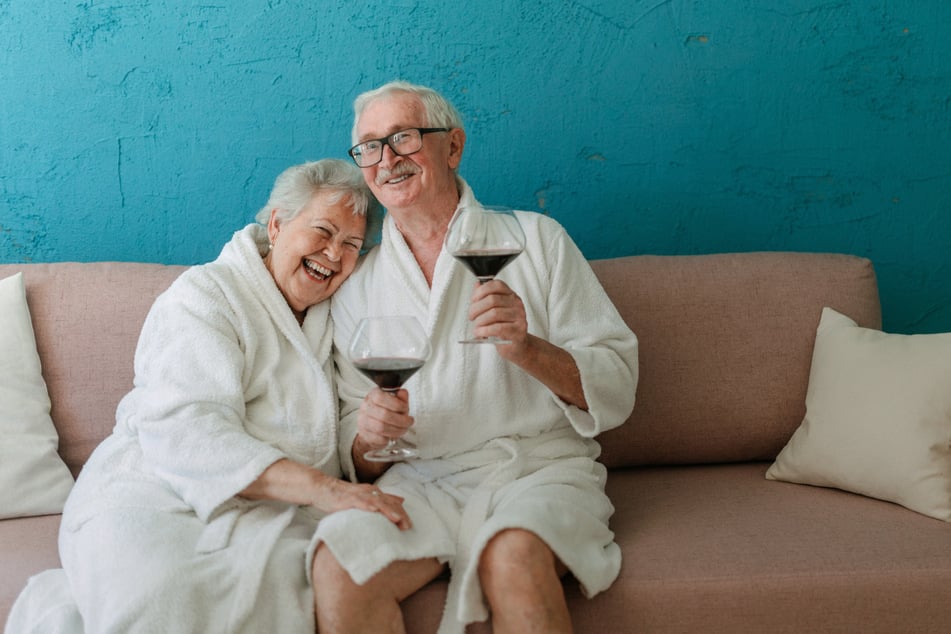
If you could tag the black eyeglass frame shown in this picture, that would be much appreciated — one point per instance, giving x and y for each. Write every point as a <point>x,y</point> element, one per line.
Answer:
<point>386,140</point>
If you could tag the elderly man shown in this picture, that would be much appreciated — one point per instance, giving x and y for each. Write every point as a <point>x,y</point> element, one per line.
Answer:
<point>507,491</point>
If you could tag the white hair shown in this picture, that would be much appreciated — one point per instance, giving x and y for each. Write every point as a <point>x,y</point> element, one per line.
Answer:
<point>296,186</point>
<point>439,112</point>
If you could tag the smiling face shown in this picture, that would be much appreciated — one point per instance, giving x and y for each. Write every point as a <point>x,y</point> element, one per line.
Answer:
<point>424,179</point>
<point>313,253</point>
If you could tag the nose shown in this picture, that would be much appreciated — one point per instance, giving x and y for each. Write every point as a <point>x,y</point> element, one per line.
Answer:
<point>333,250</point>
<point>388,156</point>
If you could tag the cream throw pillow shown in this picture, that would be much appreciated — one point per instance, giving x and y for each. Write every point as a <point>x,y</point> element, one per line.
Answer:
<point>878,417</point>
<point>34,480</point>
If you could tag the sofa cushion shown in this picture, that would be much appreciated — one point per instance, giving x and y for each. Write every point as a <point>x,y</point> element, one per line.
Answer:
<point>725,348</point>
<point>718,548</point>
<point>33,478</point>
<point>878,417</point>
<point>28,548</point>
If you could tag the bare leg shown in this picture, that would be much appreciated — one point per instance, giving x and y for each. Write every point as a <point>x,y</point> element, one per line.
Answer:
<point>521,579</point>
<point>343,607</point>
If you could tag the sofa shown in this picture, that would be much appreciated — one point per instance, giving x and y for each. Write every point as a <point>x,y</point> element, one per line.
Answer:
<point>709,543</point>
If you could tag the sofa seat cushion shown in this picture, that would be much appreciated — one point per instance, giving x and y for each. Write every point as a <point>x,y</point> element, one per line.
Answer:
<point>29,547</point>
<point>713,548</point>
<point>718,548</point>
<point>721,549</point>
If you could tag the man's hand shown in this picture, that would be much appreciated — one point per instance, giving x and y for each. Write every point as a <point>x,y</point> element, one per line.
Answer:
<point>497,310</point>
<point>383,416</point>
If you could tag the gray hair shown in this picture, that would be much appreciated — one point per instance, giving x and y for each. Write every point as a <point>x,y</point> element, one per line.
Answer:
<point>439,112</point>
<point>296,186</point>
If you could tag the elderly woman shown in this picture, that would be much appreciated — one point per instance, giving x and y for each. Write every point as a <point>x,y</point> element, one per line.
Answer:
<point>197,513</point>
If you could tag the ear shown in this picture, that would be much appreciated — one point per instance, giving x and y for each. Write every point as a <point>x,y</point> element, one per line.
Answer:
<point>273,226</point>
<point>457,141</point>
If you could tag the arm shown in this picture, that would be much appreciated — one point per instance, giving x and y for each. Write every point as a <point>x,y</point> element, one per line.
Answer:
<point>295,483</point>
<point>367,471</point>
<point>553,366</point>
<point>579,348</point>
<point>188,406</point>
<point>497,310</point>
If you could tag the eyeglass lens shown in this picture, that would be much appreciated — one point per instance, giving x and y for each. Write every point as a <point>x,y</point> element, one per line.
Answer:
<point>402,143</point>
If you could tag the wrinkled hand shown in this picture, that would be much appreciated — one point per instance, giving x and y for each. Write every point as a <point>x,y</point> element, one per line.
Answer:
<point>496,310</point>
<point>338,495</point>
<point>383,416</point>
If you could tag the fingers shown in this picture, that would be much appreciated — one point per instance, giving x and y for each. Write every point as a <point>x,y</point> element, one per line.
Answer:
<point>388,505</point>
<point>383,416</point>
<point>496,310</point>
<point>336,495</point>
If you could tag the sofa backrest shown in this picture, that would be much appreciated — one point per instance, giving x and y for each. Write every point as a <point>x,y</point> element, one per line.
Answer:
<point>725,348</point>
<point>87,319</point>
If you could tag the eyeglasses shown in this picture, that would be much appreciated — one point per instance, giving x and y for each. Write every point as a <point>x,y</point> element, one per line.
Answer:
<point>403,143</point>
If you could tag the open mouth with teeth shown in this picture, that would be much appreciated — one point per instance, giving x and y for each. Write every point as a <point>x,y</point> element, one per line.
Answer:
<point>317,271</point>
<point>398,179</point>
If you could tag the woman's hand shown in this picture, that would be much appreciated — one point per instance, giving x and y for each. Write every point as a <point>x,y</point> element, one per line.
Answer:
<point>339,495</point>
<point>295,483</point>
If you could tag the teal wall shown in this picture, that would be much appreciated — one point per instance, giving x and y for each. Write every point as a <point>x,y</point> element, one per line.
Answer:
<point>151,130</point>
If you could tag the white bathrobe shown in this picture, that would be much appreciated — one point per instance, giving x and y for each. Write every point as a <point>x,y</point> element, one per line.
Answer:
<point>499,449</point>
<point>153,537</point>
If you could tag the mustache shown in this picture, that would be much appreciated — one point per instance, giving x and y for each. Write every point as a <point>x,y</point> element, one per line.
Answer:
<point>400,169</point>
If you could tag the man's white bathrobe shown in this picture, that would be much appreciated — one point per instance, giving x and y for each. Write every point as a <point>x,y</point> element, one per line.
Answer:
<point>153,538</point>
<point>499,449</point>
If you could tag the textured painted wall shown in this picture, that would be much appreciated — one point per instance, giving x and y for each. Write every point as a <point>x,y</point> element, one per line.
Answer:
<point>151,130</point>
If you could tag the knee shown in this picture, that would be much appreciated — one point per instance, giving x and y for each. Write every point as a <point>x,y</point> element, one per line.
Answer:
<point>326,571</point>
<point>337,600</point>
<point>515,548</point>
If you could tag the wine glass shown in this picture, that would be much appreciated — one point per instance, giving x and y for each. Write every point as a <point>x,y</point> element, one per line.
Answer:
<point>389,350</point>
<point>485,239</point>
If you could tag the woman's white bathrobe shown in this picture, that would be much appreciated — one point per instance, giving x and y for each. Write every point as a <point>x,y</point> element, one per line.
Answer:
<point>227,382</point>
<point>499,449</point>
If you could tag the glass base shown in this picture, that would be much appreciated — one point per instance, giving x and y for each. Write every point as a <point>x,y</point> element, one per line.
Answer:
<point>492,340</point>
<point>391,453</point>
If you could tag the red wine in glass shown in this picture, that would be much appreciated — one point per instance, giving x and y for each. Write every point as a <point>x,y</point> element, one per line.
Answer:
<point>389,350</point>
<point>485,240</point>
<point>485,264</point>
<point>389,373</point>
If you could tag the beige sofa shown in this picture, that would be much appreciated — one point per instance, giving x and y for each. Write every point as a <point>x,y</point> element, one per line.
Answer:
<point>708,543</point>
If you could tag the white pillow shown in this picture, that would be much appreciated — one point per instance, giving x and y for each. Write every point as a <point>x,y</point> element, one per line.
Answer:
<point>878,417</point>
<point>34,480</point>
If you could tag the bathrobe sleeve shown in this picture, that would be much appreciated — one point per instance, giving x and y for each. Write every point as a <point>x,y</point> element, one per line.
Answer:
<point>583,320</point>
<point>188,405</point>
